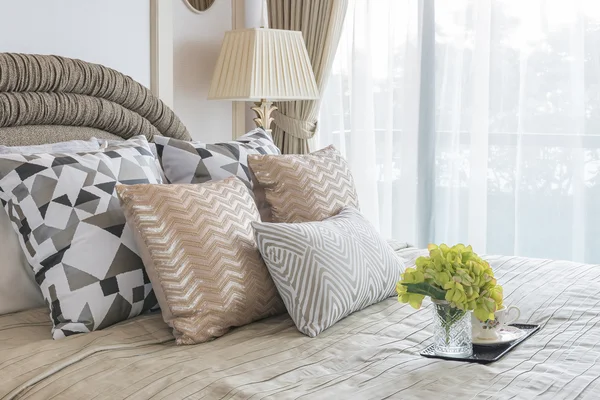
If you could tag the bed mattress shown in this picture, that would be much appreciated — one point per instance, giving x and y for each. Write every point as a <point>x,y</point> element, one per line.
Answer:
<point>372,354</point>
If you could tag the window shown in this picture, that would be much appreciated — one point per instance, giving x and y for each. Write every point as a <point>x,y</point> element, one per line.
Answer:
<point>473,121</point>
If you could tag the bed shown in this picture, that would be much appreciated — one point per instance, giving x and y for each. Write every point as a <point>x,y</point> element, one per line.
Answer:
<point>371,354</point>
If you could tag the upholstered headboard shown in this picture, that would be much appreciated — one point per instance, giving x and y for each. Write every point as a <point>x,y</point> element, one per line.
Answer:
<point>48,99</point>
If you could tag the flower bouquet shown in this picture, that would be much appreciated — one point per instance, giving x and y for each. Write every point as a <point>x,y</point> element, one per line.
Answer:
<point>458,281</point>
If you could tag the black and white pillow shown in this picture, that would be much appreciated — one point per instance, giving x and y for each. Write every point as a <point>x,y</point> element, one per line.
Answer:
<point>197,162</point>
<point>74,235</point>
<point>104,144</point>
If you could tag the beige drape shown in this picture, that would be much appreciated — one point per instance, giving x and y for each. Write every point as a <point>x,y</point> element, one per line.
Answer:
<point>321,24</point>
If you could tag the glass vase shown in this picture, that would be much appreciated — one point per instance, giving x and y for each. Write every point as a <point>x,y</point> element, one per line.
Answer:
<point>452,335</point>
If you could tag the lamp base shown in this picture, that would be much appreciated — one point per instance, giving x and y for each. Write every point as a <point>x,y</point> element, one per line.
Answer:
<point>263,110</point>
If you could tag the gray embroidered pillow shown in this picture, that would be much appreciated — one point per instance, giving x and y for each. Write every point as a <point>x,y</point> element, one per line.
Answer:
<point>74,234</point>
<point>325,271</point>
<point>197,162</point>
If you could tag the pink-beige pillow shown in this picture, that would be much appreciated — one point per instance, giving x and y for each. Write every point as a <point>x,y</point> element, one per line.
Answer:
<point>198,246</point>
<point>305,187</point>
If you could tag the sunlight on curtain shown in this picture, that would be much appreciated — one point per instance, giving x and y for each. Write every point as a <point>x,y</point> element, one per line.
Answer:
<point>473,121</point>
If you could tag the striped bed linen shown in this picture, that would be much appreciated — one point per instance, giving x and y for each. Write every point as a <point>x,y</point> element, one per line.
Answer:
<point>372,354</point>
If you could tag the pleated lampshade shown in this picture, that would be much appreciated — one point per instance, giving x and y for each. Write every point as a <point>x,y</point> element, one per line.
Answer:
<point>263,64</point>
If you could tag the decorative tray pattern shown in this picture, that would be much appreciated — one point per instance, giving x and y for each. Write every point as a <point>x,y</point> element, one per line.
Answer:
<point>487,354</point>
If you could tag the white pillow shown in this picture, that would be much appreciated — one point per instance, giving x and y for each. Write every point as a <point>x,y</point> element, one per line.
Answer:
<point>18,289</point>
<point>73,146</point>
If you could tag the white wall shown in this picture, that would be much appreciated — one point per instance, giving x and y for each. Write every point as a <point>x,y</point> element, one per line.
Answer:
<point>115,33</point>
<point>254,13</point>
<point>197,41</point>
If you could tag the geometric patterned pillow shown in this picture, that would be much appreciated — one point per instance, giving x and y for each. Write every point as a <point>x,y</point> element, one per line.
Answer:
<point>18,290</point>
<point>103,144</point>
<point>197,162</point>
<point>74,234</point>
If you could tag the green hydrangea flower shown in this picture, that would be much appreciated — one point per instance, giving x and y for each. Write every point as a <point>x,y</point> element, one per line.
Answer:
<point>455,274</point>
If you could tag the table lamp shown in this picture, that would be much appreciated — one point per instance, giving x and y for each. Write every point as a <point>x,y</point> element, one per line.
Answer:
<point>263,65</point>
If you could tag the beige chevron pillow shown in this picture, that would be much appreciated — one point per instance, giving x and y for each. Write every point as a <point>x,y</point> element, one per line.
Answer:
<point>198,246</point>
<point>305,187</point>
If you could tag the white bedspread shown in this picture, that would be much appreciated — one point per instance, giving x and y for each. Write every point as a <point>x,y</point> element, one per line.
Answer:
<point>373,354</point>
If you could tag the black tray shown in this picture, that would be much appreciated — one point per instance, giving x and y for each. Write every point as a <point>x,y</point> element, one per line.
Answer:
<point>487,354</point>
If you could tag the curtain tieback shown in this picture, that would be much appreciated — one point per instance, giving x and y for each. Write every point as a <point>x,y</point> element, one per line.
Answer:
<point>296,127</point>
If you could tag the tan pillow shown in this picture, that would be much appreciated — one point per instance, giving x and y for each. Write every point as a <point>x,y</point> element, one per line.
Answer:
<point>198,246</point>
<point>305,187</point>
<point>264,208</point>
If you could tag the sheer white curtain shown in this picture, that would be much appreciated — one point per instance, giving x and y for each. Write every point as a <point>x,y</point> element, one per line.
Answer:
<point>474,121</point>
